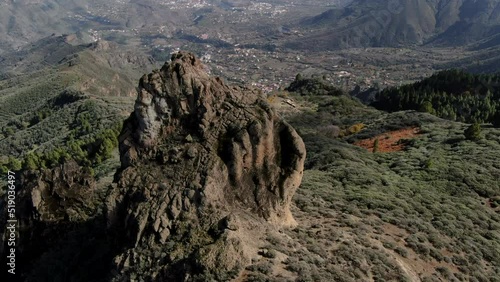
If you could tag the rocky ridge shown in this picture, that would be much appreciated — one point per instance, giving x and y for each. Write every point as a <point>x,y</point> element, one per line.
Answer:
<point>202,164</point>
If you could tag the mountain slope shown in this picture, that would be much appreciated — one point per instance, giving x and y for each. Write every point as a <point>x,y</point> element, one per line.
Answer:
<point>49,89</point>
<point>395,23</point>
<point>25,21</point>
<point>428,210</point>
<point>450,94</point>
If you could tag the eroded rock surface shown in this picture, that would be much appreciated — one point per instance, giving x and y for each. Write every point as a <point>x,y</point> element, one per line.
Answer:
<point>202,164</point>
<point>57,221</point>
<point>66,192</point>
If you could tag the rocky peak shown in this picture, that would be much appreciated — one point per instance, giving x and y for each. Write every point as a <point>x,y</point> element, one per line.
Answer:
<point>203,163</point>
<point>180,91</point>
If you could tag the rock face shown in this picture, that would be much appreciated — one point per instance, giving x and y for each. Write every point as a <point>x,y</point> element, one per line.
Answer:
<point>63,193</point>
<point>202,164</point>
<point>56,220</point>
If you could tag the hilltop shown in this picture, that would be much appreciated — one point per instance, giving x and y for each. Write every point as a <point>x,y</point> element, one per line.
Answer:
<point>225,165</point>
<point>424,206</point>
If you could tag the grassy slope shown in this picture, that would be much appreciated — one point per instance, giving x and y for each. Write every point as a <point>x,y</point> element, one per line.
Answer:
<point>423,214</point>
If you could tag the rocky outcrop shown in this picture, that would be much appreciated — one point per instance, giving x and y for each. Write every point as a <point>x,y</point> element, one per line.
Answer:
<point>57,214</point>
<point>203,163</point>
<point>64,193</point>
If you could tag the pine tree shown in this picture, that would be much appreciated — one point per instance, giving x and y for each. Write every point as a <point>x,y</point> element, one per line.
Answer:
<point>14,164</point>
<point>426,107</point>
<point>473,132</point>
<point>30,162</point>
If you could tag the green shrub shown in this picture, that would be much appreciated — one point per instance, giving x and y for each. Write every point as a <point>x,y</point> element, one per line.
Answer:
<point>401,251</point>
<point>473,132</point>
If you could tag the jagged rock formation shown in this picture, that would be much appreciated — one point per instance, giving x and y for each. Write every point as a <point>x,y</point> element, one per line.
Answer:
<point>63,193</point>
<point>57,221</point>
<point>203,164</point>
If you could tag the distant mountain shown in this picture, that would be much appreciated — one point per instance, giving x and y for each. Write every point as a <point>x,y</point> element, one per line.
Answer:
<point>45,52</point>
<point>486,60</point>
<point>377,23</point>
<point>52,51</point>
<point>25,21</point>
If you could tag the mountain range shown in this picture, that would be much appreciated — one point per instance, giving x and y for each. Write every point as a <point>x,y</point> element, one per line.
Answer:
<point>352,23</point>
<point>382,23</point>
<point>25,21</point>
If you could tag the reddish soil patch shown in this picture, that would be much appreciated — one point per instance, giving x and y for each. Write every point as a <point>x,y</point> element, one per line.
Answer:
<point>391,141</point>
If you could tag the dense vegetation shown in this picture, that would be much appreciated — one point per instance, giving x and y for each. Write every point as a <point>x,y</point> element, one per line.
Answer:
<point>426,213</point>
<point>451,94</point>
<point>63,111</point>
<point>65,116</point>
<point>88,138</point>
<point>314,85</point>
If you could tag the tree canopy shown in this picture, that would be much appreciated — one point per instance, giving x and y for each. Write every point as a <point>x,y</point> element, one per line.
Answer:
<point>451,94</point>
